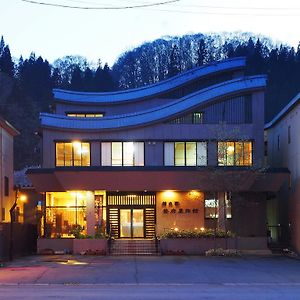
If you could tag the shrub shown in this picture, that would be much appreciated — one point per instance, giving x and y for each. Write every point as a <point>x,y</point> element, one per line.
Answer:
<point>207,233</point>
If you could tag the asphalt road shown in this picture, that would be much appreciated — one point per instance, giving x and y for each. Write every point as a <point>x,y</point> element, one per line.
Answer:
<point>177,277</point>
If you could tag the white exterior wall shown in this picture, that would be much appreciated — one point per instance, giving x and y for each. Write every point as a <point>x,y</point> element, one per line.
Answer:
<point>288,155</point>
<point>6,170</point>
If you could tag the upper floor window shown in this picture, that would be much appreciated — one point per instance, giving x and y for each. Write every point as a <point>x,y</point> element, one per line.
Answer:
<point>185,153</point>
<point>122,153</point>
<point>85,115</point>
<point>193,118</point>
<point>289,134</point>
<point>235,153</point>
<point>72,154</point>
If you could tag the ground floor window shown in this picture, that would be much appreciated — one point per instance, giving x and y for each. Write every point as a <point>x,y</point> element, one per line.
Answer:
<point>212,205</point>
<point>65,213</point>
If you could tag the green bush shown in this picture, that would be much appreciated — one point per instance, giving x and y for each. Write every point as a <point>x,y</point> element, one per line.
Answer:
<point>206,233</point>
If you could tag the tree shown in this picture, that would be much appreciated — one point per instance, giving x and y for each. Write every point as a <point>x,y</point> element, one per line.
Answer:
<point>76,79</point>
<point>201,53</point>
<point>6,63</point>
<point>174,62</point>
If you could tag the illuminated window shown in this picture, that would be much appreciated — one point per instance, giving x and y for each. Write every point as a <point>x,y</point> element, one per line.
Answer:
<point>235,153</point>
<point>193,118</point>
<point>185,153</point>
<point>212,207</point>
<point>72,154</point>
<point>85,115</point>
<point>66,212</point>
<point>122,153</point>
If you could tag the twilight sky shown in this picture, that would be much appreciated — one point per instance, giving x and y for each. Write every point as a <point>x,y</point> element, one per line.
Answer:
<point>54,32</point>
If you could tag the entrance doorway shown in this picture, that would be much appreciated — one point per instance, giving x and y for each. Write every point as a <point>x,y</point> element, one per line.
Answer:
<point>131,223</point>
<point>131,215</point>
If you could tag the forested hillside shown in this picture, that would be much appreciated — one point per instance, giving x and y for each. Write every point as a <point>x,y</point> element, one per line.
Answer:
<point>30,81</point>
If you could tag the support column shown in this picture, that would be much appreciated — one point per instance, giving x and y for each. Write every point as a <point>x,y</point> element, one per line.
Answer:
<point>222,211</point>
<point>90,214</point>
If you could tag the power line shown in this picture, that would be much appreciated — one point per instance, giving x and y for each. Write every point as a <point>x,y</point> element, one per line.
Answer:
<point>103,7</point>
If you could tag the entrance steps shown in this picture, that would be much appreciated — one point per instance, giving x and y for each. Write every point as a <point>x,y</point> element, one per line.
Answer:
<point>134,247</point>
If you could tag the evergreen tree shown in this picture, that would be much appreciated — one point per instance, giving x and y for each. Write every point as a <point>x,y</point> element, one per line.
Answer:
<point>201,53</point>
<point>2,45</point>
<point>174,62</point>
<point>76,80</point>
<point>6,63</point>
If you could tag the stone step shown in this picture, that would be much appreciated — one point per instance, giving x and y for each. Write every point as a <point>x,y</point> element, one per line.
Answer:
<point>133,247</point>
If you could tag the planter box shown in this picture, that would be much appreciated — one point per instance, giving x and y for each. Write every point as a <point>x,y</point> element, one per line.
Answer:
<point>90,246</point>
<point>54,245</point>
<point>198,246</point>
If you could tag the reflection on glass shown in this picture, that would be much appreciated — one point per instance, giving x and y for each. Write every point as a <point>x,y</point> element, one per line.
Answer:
<point>125,223</point>
<point>138,223</point>
<point>116,154</point>
<point>72,154</point>
<point>179,154</point>
<point>191,153</point>
<point>128,153</point>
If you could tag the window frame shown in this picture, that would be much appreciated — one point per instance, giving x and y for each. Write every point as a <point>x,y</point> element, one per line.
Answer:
<point>235,158</point>
<point>73,160</point>
<point>185,153</point>
<point>122,154</point>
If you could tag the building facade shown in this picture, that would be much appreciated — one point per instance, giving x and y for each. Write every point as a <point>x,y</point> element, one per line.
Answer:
<point>185,153</point>
<point>284,151</point>
<point>7,195</point>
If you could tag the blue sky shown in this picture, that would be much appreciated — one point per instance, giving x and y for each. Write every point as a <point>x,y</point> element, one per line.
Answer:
<point>54,32</point>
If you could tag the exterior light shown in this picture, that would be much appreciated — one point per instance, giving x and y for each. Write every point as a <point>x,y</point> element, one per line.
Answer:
<point>23,198</point>
<point>169,194</point>
<point>76,144</point>
<point>202,228</point>
<point>193,193</point>
<point>176,229</point>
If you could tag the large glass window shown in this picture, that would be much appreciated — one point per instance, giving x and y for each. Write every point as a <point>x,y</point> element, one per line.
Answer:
<point>122,153</point>
<point>66,213</point>
<point>235,153</point>
<point>72,154</point>
<point>185,153</point>
<point>212,207</point>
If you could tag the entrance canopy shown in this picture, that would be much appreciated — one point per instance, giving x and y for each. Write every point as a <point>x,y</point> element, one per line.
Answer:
<point>157,179</point>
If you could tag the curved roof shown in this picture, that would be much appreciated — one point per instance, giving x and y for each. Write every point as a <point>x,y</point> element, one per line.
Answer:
<point>149,90</point>
<point>284,111</point>
<point>158,114</point>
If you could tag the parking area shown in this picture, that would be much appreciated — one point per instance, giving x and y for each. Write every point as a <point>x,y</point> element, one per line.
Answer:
<point>68,269</point>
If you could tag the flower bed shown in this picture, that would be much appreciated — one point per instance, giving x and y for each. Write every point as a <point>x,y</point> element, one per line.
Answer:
<point>198,242</point>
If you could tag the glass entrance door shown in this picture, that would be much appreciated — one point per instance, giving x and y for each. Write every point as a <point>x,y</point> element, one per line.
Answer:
<point>131,223</point>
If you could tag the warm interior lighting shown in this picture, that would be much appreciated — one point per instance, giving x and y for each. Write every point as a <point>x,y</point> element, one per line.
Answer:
<point>230,149</point>
<point>76,144</point>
